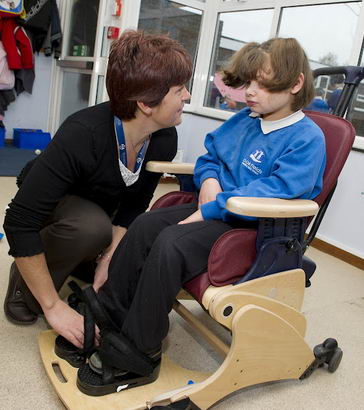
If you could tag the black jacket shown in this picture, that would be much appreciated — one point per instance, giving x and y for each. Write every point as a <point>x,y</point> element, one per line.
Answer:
<point>82,160</point>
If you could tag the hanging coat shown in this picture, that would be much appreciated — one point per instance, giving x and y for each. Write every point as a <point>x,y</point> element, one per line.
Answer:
<point>16,44</point>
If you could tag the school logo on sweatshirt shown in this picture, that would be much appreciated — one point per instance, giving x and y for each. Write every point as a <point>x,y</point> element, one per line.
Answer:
<point>256,158</point>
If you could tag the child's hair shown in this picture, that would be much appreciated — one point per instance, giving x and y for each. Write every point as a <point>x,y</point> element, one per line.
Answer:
<point>337,79</point>
<point>276,64</point>
<point>143,67</point>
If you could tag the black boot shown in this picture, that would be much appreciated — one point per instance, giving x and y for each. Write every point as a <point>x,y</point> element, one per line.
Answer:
<point>15,307</point>
<point>117,365</point>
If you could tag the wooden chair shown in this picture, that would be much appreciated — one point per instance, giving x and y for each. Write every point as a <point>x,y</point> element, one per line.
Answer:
<point>254,287</point>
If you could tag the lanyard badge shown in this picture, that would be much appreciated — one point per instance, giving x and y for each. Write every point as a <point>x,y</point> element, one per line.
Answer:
<point>119,131</point>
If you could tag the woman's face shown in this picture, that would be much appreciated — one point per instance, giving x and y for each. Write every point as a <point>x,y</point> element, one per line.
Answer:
<point>169,112</point>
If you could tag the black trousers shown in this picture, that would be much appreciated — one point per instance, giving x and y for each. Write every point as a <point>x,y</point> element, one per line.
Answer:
<point>76,232</point>
<point>153,260</point>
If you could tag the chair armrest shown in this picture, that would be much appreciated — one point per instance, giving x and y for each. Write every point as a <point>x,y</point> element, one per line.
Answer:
<point>272,207</point>
<point>170,167</point>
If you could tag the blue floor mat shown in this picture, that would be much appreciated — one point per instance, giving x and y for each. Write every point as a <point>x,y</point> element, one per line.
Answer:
<point>13,159</point>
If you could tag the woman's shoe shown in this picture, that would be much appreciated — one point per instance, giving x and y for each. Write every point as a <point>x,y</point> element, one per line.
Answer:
<point>15,307</point>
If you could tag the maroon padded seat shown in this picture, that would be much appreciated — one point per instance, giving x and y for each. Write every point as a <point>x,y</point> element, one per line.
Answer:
<point>235,251</point>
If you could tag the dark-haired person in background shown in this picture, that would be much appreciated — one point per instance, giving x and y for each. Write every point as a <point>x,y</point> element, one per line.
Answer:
<point>337,81</point>
<point>318,103</point>
<point>78,198</point>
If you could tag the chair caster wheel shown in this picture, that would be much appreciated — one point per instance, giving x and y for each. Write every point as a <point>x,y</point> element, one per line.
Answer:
<point>335,360</point>
<point>330,343</point>
<point>328,353</point>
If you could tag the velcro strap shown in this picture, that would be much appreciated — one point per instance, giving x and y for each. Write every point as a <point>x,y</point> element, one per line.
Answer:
<point>76,289</point>
<point>107,374</point>
<point>117,351</point>
<point>101,317</point>
<point>89,329</point>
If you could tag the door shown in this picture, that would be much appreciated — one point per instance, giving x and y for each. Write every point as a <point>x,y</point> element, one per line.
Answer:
<point>78,77</point>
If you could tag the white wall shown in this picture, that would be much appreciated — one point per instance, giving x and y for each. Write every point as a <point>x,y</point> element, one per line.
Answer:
<point>191,135</point>
<point>343,225</point>
<point>31,110</point>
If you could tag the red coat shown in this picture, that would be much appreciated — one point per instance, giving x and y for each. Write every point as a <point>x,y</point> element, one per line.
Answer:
<point>16,44</point>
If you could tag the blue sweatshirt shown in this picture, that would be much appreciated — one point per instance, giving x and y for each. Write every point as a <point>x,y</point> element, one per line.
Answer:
<point>288,162</point>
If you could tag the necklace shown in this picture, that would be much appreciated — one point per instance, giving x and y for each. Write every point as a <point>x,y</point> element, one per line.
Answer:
<point>139,144</point>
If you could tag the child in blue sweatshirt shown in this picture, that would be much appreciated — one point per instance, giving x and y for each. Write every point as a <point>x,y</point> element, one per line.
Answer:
<point>269,149</point>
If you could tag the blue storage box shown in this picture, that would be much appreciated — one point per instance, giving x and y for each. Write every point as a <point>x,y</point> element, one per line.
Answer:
<point>30,139</point>
<point>2,137</point>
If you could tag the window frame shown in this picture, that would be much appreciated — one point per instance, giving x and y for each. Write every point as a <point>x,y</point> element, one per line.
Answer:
<point>211,10</point>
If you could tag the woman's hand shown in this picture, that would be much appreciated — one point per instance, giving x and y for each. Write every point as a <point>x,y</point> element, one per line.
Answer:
<point>209,189</point>
<point>195,217</point>
<point>66,322</point>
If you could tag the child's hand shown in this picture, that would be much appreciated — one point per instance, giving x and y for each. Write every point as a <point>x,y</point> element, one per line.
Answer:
<point>209,189</point>
<point>195,217</point>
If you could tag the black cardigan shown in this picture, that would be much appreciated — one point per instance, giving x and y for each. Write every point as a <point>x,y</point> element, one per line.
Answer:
<point>82,160</point>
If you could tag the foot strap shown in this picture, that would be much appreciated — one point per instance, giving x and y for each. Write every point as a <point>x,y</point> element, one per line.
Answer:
<point>89,297</point>
<point>89,329</point>
<point>116,351</point>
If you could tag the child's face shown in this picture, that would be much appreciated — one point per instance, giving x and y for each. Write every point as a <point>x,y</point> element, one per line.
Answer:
<point>271,106</point>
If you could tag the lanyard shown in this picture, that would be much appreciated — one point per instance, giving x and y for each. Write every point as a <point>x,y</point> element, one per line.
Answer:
<point>119,131</point>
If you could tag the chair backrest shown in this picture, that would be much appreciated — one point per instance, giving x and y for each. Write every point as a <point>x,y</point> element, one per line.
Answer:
<point>339,135</point>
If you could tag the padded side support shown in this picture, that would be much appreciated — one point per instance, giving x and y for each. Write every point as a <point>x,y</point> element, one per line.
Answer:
<point>275,255</point>
<point>264,348</point>
<point>228,304</point>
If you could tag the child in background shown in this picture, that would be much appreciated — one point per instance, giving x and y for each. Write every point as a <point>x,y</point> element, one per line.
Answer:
<point>318,103</point>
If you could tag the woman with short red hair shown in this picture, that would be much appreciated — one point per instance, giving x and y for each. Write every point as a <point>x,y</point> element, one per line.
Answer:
<point>77,199</point>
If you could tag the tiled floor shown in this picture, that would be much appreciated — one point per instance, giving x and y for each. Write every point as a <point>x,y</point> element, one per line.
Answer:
<point>334,306</point>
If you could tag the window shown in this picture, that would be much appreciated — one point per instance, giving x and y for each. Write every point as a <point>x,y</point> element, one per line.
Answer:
<point>233,30</point>
<point>212,30</point>
<point>334,25</point>
<point>325,31</point>
<point>327,93</point>
<point>356,111</point>
<point>75,93</point>
<point>182,23</point>
<point>83,28</point>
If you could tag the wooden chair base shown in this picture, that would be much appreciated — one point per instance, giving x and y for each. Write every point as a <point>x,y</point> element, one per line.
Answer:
<point>63,377</point>
<point>264,348</point>
<point>267,345</point>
